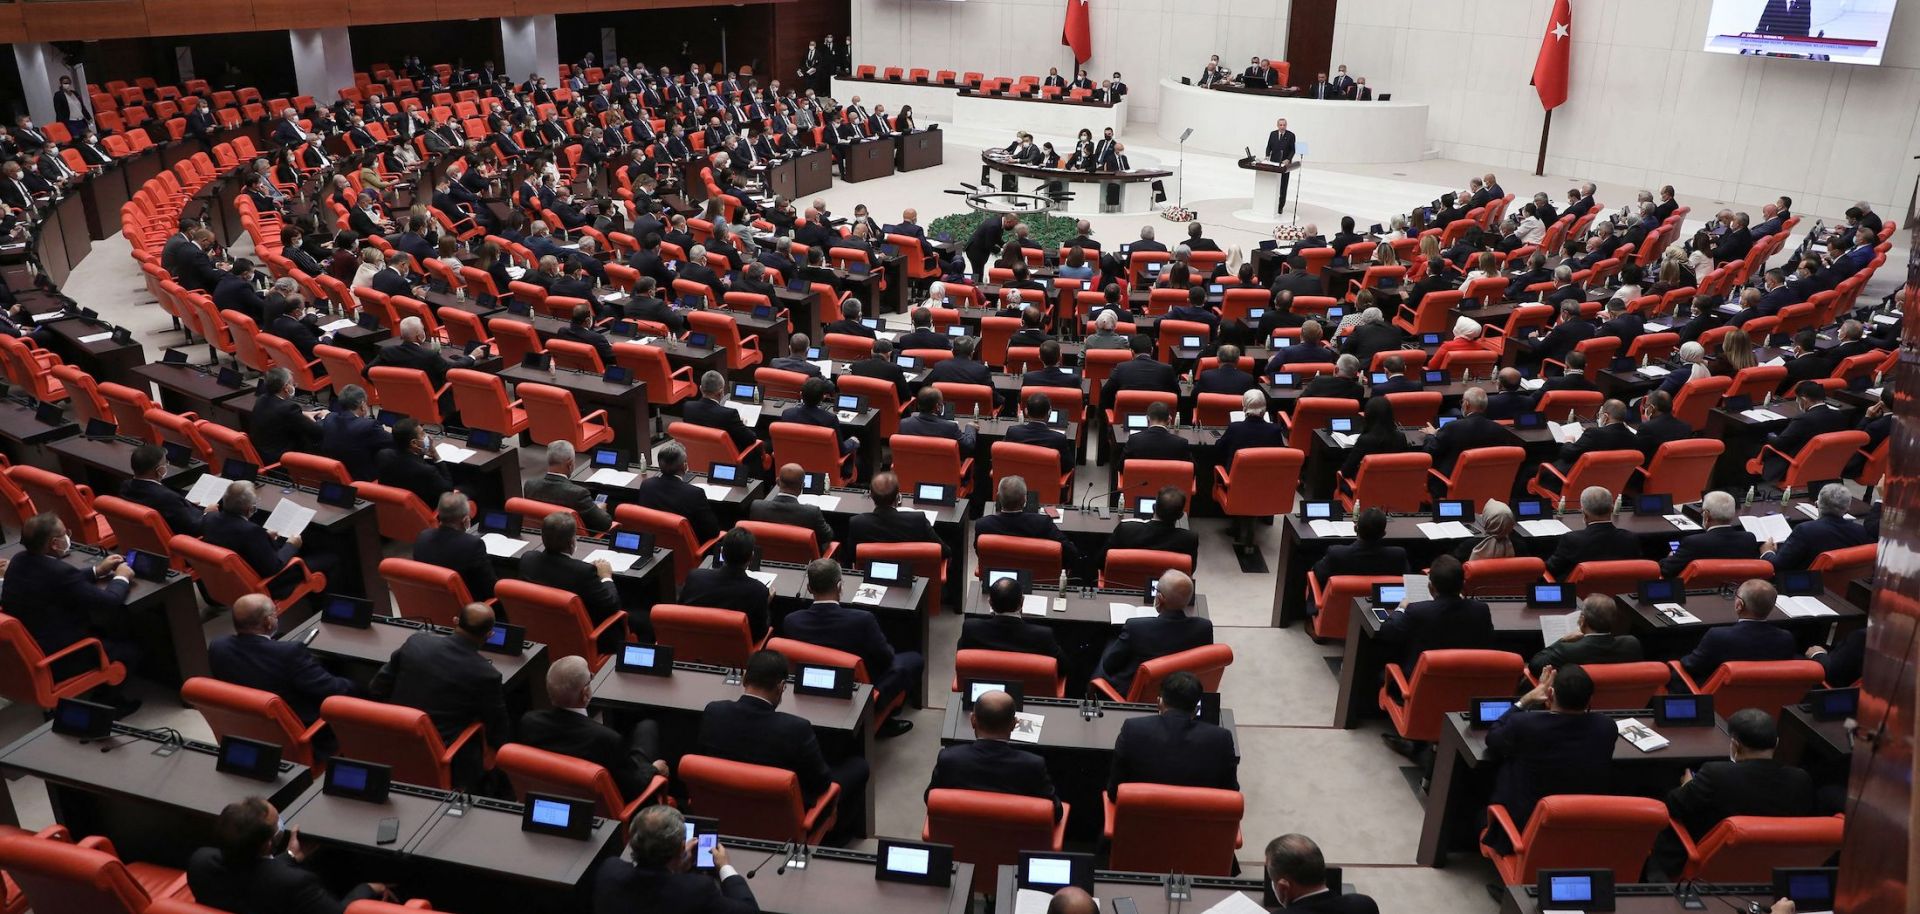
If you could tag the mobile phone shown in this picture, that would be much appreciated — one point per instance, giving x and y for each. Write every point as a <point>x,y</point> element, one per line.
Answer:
<point>389,830</point>
<point>1125,906</point>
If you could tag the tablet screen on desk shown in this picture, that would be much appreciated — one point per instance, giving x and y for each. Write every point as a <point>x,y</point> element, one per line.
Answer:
<point>1048,872</point>
<point>887,573</point>
<point>651,659</point>
<point>1576,890</point>
<point>85,719</point>
<point>725,473</point>
<point>1529,508</point>
<point>609,458</point>
<point>497,522</point>
<point>1683,711</point>
<point>1020,576</point>
<point>824,681</point>
<point>1488,710</point>
<point>336,494</point>
<point>1452,509</point>
<point>1833,704</point>
<point>747,392</point>
<point>1809,888</point>
<point>1800,584</point>
<point>1389,594</point>
<point>1340,424</point>
<point>934,493</point>
<point>505,639</point>
<point>560,816</point>
<point>1665,590</point>
<point>349,611</point>
<point>357,780</point>
<point>249,758</point>
<point>1550,596</point>
<point>632,541</point>
<point>972,689</point>
<point>1319,510</point>
<point>914,862</point>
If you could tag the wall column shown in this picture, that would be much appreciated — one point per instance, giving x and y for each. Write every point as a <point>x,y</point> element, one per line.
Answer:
<point>322,62</point>
<point>529,44</point>
<point>41,66</point>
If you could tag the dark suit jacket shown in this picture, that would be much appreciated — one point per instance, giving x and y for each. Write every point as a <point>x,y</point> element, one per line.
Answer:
<point>1658,431</point>
<point>923,339</point>
<point>1588,650</point>
<point>417,356</point>
<point>1007,632</point>
<point>883,369</point>
<point>1156,443</point>
<point>1599,542</point>
<point>1369,339</point>
<point>355,441</point>
<point>247,539</point>
<point>285,668</point>
<point>279,426</point>
<point>749,730</point>
<point>564,572</point>
<point>1329,903</point>
<point>569,732</point>
<point>621,886</point>
<point>445,676</point>
<point>1247,433</point>
<point>993,765</point>
<point>842,628</point>
<point>1334,385</point>
<point>1141,372</point>
<point>1746,639</point>
<point>960,371</point>
<point>460,551</point>
<point>1044,435</point>
<point>1360,558</point>
<point>1174,747</point>
<point>1037,526</point>
<point>559,490</point>
<point>1615,437</point>
<point>54,599</point>
<point>1468,433</point>
<point>725,588</point>
<point>781,508</point>
<point>1225,379</point>
<point>1843,664</point>
<point>1814,537</point>
<point>426,479</point>
<point>1726,542</point>
<point>678,496</point>
<point>277,884</point>
<point>705,412</point>
<point>1155,534</point>
<point>1803,428</point>
<point>1145,639</point>
<point>181,515</point>
<point>1543,754</point>
<point>889,525</point>
<point>1755,787</point>
<point>1438,624</point>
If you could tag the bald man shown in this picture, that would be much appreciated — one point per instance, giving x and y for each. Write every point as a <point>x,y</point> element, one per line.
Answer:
<point>444,675</point>
<point>1072,900</point>
<point>1171,630</point>
<point>991,762</point>
<point>251,657</point>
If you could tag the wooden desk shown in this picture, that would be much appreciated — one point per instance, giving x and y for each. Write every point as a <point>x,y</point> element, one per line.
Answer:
<point>922,149</point>
<point>105,360</point>
<point>1147,891</point>
<point>1516,627</point>
<point>24,433</point>
<point>107,463</point>
<point>185,388</point>
<point>869,159</point>
<point>359,653</point>
<point>1648,898</point>
<point>1804,739</point>
<point>799,176</point>
<point>626,404</point>
<point>836,881</point>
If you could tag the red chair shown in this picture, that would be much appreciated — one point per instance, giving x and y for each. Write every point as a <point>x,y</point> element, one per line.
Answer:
<point>1756,382</point>
<point>1038,674</point>
<point>482,401</point>
<point>86,878</point>
<point>531,770</point>
<point>73,503</point>
<point>26,673</point>
<point>1765,684</point>
<point>401,737</point>
<point>1270,478</point>
<point>1705,573</point>
<point>1145,478</point>
<point>552,415</point>
<point>755,801</point>
<point>1698,397</point>
<point>1681,469</point>
<point>708,446</point>
<point>704,634</point>
<point>786,542</point>
<point>990,829</point>
<point>1837,567</point>
<point>1482,473</point>
<point>310,470</point>
<point>927,560</point>
<point>815,448</point>
<point>1609,470</point>
<point>1614,577</point>
<point>1038,465</point>
<point>558,618</point>
<point>402,517</point>
<point>1040,558</point>
<point>1434,315</point>
<point>1415,408</point>
<point>742,349</point>
<point>919,459</point>
<point>1390,482</point>
<point>134,526</point>
<point>1558,405</point>
<point>779,383</point>
<point>1822,459</point>
<point>226,577</point>
<point>1334,598</point>
<point>1445,681</point>
<point>1208,662</point>
<point>669,530</point>
<point>1750,848</point>
<point>1156,828</point>
<point>1626,686</point>
<point>1573,830</point>
<point>424,591</point>
<point>1313,413</point>
<point>345,367</point>
<point>1132,569</point>
<point>666,385</point>
<point>1502,577</point>
<point>235,710</point>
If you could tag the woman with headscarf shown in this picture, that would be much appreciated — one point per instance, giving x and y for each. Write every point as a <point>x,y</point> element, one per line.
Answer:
<point>1692,367</point>
<point>1496,534</point>
<point>1466,338</point>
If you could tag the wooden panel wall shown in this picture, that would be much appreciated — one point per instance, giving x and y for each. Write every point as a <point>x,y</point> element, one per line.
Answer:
<point>1309,40</point>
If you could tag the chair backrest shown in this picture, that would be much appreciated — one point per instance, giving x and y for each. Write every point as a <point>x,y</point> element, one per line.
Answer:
<point>1581,831</point>
<point>989,829</point>
<point>129,408</point>
<point>1749,848</point>
<point>1502,577</point>
<point>1485,472</point>
<point>389,734</point>
<point>703,634</point>
<point>1038,674</point>
<point>83,394</point>
<point>1448,680</point>
<point>1269,478</point>
<point>482,401</point>
<point>532,770</point>
<point>554,617</point>
<point>1612,577</point>
<point>1040,557</point>
<point>401,515</point>
<point>921,459</point>
<point>553,415</point>
<point>311,469</point>
<point>1702,573</point>
<point>1392,482</point>
<point>1310,413</point>
<point>425,591</point>
<point>1583,404</point>
<point>1627,685</point>
<point>136,526</point>
<point>1131,569</point>
<point>1609,470</point>
<point>224,575</point>
<point>58,876</point>
<point>53,492</point>
<point>783,542</point>
<point>753,801</point>
<point>1144,478</point>
<point>1164,828</point>
<point>705,446</point>
<point>669,530</point>
<point>1682,468</point>
<point>1837,567</point>
<point>1415,407</point>
<point>1823,458</point>
<point>407,391</point>
<point>815,448</point>
<point>1699,396</point>
<point>1765,684</point>
<point>235,710</point>
<point>1208,661</point>
<point>1756,382</point>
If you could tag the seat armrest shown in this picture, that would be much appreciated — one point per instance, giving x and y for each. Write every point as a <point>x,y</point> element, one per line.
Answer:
<point>598,415</point>
<point>1497,815</point>
<point>1686,840</point>
<point>1685,678</point>
<point>608,622</point>
<point>452,749</point>
<point>80,645</point>
<point>1101,685</point>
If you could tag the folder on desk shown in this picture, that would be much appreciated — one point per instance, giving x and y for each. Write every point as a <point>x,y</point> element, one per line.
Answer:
<point>501,546</point>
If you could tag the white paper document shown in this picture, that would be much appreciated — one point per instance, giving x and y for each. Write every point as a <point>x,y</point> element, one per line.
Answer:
<point>94,338</point>
<point>1445,530</point>
<point>621,561</point>
<point>1119,613</point>
<point>500,545</point>
<point>749,412</point>
<point>1554,626</point>
<point>1681,522</point>
<point>869,594</point>
<point>823,502</point>
<point>1332,527</point>
<point>1033,604</point>
<point>1761,414</point>
<point>717,493</point>
<point>1768,527</point>
<point>766,578</point>
<point>1345,439</point>
<point>1566,433</point>
<point>608,476</point>
<point>1546,526</point>
<point>1640,735</point>
<point>1026,727</point>
<point>451,453</point>
<point>340,324</point>
<point>1655,327</point>
<point>1419,589</point>
<point>1676,614</point>
<point>1802,607</point>
<point>1236,903</point>
<point>288,519</point>
<point>208,489</point>
<point>1651,371</point>
<point>825,366</point>
<point>1533,383</point>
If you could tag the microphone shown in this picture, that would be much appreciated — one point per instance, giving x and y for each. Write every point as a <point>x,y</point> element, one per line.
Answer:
<point>786,848</point>
<point>1086,504</point>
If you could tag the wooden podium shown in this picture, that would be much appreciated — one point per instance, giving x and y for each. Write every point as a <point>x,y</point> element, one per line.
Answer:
<point>922,149</point>
<point>1268,180</point>
<point>869,159</point>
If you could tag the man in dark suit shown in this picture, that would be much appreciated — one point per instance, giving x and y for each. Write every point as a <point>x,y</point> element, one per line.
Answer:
<point>1050,374</point>
<point>413,351</point>
<point>1509,398</point>
<point>1174,746</point>
<point>1597,640</point>
<point>232,527</point>
<point>1722,538</point>
<point>251,657</point>
<point>751,729</point>
<point>1157,441</point>
<point>1575,378</point>
<point>243,872</point>
<point>1817,417</point>
<point>963,368</point>
<point>1367,554</point>
<point>1373,335</point>
<point>849,322</point>
<point>655,875</point>
<point>812,410</point>
<point>1558,342</point>
<point>886,523</point>
<point>1598,541</point>
<point>784,506</point>
<point>1142,372</point>
<point>1298,873</point>
<point>579,329</point>
<point>1877,421</point>
<point>235,292</point>
<point>710,410</point>
<point>727,585</point>
<point>1550,744</point>
<point>553,565</point>
<point>1171,630</point>
<point>1004,630</point>
<point>829,623</point>
<point>922,335</point>
<point>1786,19</point>
<point>1845,662</point>
<point>990,761</point>
<point>1610,432</point>
<point>410,464</point>
<point>1038,408</point>
<point>644,305</point>
<point>558,488</point>
<point>928,421</point>
<point>1309,349</point>
<point>1162,531</point>
<point>1280,151</point>
<point>1254,430</point>
<point>1750,637</point>
<point>1472,430</point>
<point>445,676</point>
<point>1011,518</point>
<point>567,728</point>
<point>670,492</point>
<point>279,424</point>
<point>1342,383</point>
<point>1658,425</point>
<point>1749,783</point>
<point>1225,377</point>
<point>1446,621</point>
<point>351,435</point>
<point>449,545</point>
<point>1735,242</point>
<point>1831,530</point>
<point>986,240</point>
<point>148,463</point>
<point>57,601</point>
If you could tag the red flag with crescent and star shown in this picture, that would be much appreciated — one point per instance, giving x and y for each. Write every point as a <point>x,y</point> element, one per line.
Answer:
<point>1077,33</point>
<point>1556,52</point>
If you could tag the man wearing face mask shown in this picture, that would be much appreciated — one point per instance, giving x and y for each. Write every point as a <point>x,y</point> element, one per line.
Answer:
<point>252,869</point>
<point>251,657</point>
<point>1298,874</point>
<point>1749,783</point>
<point>656,874</point>
<point>444,675</point>
<point>55,599</point>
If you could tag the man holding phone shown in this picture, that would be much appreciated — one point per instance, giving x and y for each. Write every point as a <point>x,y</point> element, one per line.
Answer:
<point>657,874</point>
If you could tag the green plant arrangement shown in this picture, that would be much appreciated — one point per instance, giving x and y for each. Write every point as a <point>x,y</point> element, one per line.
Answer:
<point>1047,230</point>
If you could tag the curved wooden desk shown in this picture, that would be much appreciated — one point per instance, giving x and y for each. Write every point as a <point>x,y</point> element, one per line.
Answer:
<point>1136,187</point>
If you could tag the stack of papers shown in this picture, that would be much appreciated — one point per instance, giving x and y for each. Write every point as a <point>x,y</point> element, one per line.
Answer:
<point>847,415</point>
<point>1676,614</point>
<point>870,594</point>
<point>1026,729</point>
<point>1775,361</point>
<point>609,476</point>
<point>1238,415</point>
<point>1345,439</point>
<point>1640,735</point>
<point>499,545</point>
<point>451,453</point>
<point>340,324</point>
<point>1681,522</point>
<point>289,519</point>
<point>766,578</point>
<point>1119,613</point>
<point>1767,527</point>
<point>1332,527</point>
<point>1554,626</point>
<point>717,493</point>
<point>823,502</point>
<point>1236,903</point>
<point>1565,434</point>
<point>825,366</point>
<point>1652,371</point>
<point>1802,607</point>
<point>1761,414</point>
<point>516,272</point>
<point>1445,530</point>
<point>621,561</point>
<point>1533,383</point>
<point>749,412</point>
<point>94,338</point>
<point>1033,604</point>
<point>1546,526</point>
<point>932,516</point>
<point>1653,327</point>
<point>207,490</point>
<point>1813,512</point>
<point>1419,589</point>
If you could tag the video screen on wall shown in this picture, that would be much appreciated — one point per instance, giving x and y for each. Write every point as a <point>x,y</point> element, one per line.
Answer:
<point>1839,31</point>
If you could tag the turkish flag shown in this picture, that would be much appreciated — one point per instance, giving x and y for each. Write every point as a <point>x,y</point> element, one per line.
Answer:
<point>1556,51</point>
<point>1077,33</point>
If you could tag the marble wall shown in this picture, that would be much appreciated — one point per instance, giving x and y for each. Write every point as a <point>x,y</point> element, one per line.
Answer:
<point>1647,106</point>
<point>1143,39</point>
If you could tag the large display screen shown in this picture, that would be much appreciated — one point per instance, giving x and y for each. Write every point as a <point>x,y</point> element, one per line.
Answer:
<point>1840,31</point>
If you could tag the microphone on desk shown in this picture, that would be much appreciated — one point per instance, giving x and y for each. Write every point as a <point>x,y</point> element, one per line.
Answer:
<point>1086,504</point>
<point>786,848</point>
